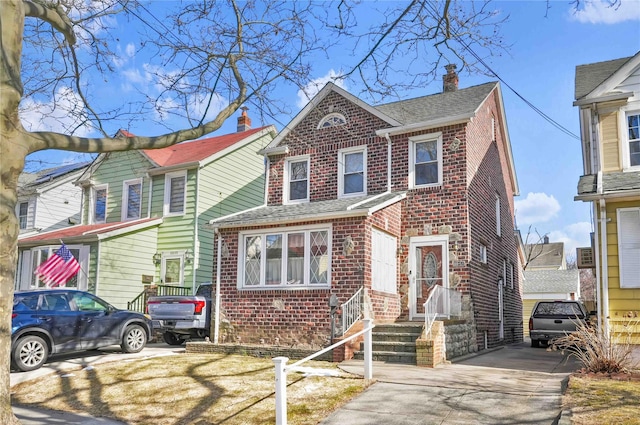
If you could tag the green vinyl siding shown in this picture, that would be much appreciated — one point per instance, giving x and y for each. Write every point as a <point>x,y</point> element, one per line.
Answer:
<point>230,184</point>
<point>123,261</point>
<point>117,167</point>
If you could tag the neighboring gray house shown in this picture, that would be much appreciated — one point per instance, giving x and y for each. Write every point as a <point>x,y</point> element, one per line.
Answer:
<point>545,256</point>
<point>48,199</point>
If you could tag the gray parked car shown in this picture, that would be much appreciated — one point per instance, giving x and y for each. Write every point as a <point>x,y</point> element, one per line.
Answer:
<point>553,319</point>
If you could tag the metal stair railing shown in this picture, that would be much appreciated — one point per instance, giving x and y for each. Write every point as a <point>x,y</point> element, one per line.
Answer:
<point>139,303</point>
<point>443,303</point>
<point>351,310</point>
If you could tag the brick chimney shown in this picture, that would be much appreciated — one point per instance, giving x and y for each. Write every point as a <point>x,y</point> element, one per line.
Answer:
<point>244,122</point>
<point>450,79</point>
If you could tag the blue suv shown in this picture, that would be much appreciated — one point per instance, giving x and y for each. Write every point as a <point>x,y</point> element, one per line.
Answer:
<point>54,321</point>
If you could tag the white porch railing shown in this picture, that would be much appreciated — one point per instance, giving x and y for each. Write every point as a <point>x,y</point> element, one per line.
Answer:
<point>351,310</point>
<point>282,369</point>
<point>441,303</point>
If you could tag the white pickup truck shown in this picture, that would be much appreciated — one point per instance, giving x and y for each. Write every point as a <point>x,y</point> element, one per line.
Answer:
<point>182,317</point>
<point>553,319</point>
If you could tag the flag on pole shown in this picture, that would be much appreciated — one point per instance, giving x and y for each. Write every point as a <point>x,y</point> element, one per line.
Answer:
<point>59,268</point>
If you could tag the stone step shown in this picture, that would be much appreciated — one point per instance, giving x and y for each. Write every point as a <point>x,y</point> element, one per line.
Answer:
<point>397,337</point>
<point>392,346</point>
<point>389,357</point>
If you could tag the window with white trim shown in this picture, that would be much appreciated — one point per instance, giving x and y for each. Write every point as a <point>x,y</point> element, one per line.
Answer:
<point>383,262</point>
<point>504,271</point>
<point>483,253</point>
<point>629,247</point>
<point>511,276</point>
<point>498,229</point>
<point>175,193</point>
<point>99,204</point>
<point>296,180</point>
<point>284,259</point>
<point>172,269</point>
<point>425,160</point>
<point>41,254</point>
<point>633,138</point>
<point>131,199</point>
<point>332,120</point>
<point>23,215</point>
<point>352,171</point>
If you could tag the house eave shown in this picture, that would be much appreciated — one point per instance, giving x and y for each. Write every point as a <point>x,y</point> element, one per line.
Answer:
<point>284,221</point>
<point>184,166</point>
<point>606,98</point>
<point>425,125</point>
<point>617,195</point>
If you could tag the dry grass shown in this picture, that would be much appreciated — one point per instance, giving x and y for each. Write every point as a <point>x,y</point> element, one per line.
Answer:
<point>190,389</point>
<point>603,401</point>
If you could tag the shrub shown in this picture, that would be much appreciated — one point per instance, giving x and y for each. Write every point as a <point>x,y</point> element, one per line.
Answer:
<point>598,351</point>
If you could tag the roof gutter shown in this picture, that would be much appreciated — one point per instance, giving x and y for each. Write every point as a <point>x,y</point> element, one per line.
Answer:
<point>183,166</point>
<point>607,98</point>
<point>425,125</point>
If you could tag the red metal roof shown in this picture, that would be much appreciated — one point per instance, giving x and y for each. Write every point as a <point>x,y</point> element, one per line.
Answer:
<point>84,230</point>
<point>196,150</point>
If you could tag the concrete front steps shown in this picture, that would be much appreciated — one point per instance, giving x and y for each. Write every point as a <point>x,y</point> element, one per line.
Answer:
<point>394,342</point>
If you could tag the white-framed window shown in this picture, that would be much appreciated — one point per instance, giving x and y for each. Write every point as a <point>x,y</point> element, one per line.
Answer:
<point>352,171</point>
<point>175,193</point>
<point>383,262</point>
<point>498,225</point>
<point>172,271</point>
<point>629,247</point>
<point>131,199</point>
<point>36,256</point>
<point>332,120</point>
<point>632,150</point>
<point>425,160</point>
<point>99,203</point>
<point>483,253</point>
<point>296,180</point>
<point>511,276</point>
<point>23,215</point>
<point>504,271</point>
<point>291,258</point>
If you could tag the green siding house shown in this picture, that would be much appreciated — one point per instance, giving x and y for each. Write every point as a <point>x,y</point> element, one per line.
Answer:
<point>144,214</point>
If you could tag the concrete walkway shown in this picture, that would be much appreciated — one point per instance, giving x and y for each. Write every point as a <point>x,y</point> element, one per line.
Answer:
<point>516,384</point>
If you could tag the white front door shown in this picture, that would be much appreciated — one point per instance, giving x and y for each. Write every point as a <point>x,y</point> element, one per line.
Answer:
<point>428,266</point>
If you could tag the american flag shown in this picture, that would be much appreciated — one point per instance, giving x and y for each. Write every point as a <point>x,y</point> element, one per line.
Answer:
<point>59,268</point>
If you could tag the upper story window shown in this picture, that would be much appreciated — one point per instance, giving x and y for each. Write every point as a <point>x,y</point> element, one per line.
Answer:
<point>99,203</point>
<point>483,253</point>
<point>633,133</point>
<point>23,214</point>
<point>292,258</point>
<point>425,160</point>
<point>132,199</point>
<point>352,172</point>
<point>297,180</point>
<point>175,193</point>
<point>498,225</point>
<point>332,120</point>
<point>511,275</point>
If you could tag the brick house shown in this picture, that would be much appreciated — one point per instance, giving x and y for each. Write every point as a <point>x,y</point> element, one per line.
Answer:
<point>393,199</point>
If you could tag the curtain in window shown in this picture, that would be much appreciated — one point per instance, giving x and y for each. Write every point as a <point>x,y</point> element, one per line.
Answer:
<point>295,258</point>
<point>274,260</point>
<point>319,261</point>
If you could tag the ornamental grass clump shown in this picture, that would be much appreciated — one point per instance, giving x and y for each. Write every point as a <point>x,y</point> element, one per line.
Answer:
<point>597,350</point>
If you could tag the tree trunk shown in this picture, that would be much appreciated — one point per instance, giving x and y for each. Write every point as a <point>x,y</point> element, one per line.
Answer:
<point>12,155</point>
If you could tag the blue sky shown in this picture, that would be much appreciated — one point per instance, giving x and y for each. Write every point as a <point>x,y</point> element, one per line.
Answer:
<point>546,45</point>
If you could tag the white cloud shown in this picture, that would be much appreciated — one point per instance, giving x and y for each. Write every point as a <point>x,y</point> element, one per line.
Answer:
<point>536,208</point>
<point>199,103</point>
<point>63,114</point>
<point>602,12</point>
<point>130,50</point>
<point>314,86</point>
<point>574,236</point>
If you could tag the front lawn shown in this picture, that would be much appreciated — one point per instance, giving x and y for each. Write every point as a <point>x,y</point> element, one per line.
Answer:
<point>190,389</point>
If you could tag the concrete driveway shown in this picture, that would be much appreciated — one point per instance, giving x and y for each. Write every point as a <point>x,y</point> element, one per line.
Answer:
<point>516,384</point>
<point>82,359</point>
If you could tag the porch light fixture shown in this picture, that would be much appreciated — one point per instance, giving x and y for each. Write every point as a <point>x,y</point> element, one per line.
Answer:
<point>157,258</point>
<point>188,256</point>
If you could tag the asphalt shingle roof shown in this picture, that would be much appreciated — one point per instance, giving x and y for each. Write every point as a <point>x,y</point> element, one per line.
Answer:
<point>590,76</point>
<point>436,106</point>
<point>357,206</point>
<point>548,255</point>
<point>611,182</point>
<point>546,281</point>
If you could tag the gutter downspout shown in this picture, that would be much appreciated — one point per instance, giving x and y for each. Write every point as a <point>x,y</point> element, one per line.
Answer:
<point>604,267</point>
<point>386,136</point>
<point>195,262</point>
<point>216,329</point>
<point>598,266</point>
